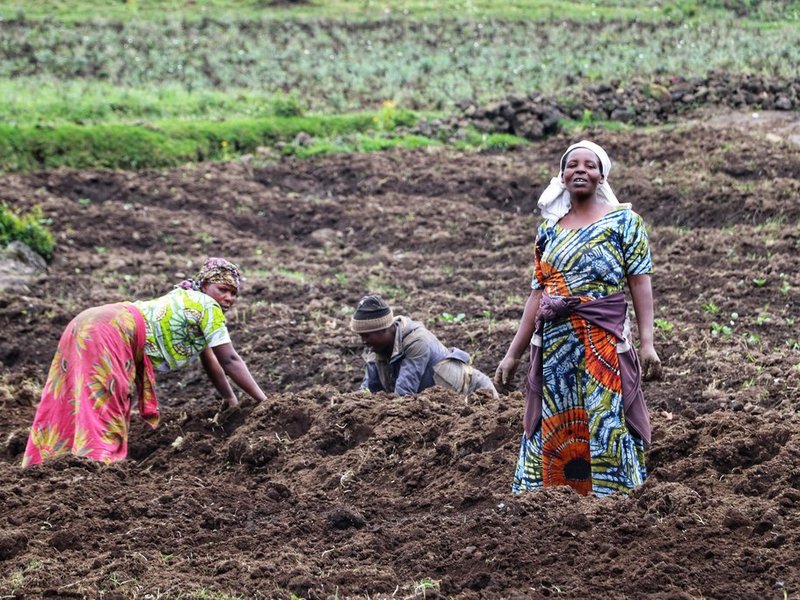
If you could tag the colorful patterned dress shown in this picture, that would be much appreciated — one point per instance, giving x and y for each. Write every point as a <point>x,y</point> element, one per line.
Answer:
<point>98,370</point>
<point>582,440</point>
<point>106,357</point>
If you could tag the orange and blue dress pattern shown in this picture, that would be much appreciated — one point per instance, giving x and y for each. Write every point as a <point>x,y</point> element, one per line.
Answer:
<point>98,370</point>
<point>582,440</point>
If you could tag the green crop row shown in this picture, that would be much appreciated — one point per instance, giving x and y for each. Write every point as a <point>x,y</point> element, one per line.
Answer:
<point>46,100</point>
<point>334,66</point>
<point>78,10</point>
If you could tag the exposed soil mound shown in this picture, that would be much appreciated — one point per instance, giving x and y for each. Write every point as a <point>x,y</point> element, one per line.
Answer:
<point>322,491</point>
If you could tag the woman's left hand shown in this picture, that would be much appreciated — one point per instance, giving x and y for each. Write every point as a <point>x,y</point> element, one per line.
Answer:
<point>651,364</point>
<point>231,402</point>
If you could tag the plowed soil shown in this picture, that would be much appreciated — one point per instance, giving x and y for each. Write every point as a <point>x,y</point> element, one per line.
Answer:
<point>324,492</point>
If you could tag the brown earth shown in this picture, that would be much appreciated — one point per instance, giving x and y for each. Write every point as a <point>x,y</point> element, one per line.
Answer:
<point>324,492</point>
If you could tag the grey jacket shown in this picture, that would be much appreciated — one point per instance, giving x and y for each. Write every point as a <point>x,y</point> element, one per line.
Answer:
<point>410,368</point>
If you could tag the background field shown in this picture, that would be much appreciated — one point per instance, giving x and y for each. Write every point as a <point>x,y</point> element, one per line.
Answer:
<point>253,122</point>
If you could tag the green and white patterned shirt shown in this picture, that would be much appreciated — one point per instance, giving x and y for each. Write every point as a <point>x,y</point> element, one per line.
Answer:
<point>179,326</point>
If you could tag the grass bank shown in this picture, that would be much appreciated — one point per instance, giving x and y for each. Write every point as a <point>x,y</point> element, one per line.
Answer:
<point>175,142</point>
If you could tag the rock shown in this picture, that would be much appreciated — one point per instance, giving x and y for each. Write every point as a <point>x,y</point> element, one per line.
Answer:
<point>551,118</point>
<point>303,139</point>
<point>23,254</point>
<point>783,103</point>
<point>492,109</point>
<point>529,127</point>
<point>18,265</point>
<point>626,115</point>
<point>517,100</point>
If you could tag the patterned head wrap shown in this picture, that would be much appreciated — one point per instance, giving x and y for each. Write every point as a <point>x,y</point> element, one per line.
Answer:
<point>371,314</point>
<point>554,202</point>
<point>215,270</point>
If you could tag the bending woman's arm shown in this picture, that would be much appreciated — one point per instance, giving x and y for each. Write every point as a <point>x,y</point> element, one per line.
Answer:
<point>217,376</point>
<point>642,296</point>
<point>522,340</point>
<point>234,367</point>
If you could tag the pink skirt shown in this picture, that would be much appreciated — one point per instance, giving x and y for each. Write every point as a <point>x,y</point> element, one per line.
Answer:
<point>97,371</point>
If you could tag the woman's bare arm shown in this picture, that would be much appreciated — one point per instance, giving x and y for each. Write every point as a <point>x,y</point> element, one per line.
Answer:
<point>508,366</point>
<point>235,368</point>
<point>642,295</point>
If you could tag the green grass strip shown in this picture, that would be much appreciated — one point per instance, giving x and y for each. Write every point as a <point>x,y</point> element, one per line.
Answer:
<point>171,143</point>
<point>359,143</point>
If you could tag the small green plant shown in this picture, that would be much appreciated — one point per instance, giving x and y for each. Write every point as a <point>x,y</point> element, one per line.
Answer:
<point>759,281</point>
<point>16,581</point>
<point>423,586</point>
<point>287,106</point>
<point>30,228</point>
<point>225,150</point>
<point>385,120</point>
<point>751,339</point>
<point>785,287</point>
<point>711,308</point>
<point>447,317</point>
<point>206,238</point>
<point>721,330</point>
<point>664,326</point>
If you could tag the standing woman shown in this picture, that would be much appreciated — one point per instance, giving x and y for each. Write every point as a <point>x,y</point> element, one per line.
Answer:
<point>107,356</point>
<point>586,423</point>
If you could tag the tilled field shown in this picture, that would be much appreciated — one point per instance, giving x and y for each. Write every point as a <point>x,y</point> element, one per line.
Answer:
<point>325,492</point>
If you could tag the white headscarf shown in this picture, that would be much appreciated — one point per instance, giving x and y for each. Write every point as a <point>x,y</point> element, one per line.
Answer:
<point>554,202</point>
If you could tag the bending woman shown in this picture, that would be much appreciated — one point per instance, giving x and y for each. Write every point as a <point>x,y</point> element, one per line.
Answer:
<point>586,423</point>
<point>107,356</point>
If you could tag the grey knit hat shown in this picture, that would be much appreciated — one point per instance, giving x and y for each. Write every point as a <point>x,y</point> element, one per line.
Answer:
<point>372,314</point>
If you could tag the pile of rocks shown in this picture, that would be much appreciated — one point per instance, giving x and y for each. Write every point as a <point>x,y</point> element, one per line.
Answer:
<point>639,101</point>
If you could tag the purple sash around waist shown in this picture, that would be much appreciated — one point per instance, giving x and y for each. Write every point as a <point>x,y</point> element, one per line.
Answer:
<point>607,312</point>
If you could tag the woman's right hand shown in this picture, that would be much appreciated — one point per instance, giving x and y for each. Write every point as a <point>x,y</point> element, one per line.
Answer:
<point>505,371</point>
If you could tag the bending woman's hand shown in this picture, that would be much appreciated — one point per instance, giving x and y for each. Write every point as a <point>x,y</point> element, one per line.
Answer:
<point>651,364</point>
<point>505,371</point>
